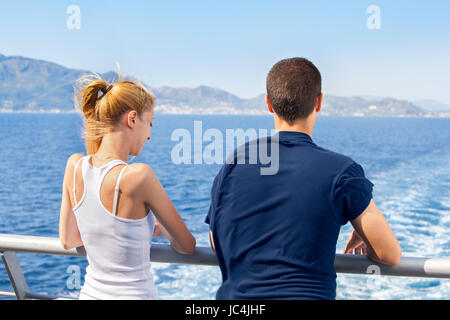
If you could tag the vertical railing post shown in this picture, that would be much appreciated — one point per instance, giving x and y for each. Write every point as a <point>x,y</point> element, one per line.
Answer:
<point>15,274</point>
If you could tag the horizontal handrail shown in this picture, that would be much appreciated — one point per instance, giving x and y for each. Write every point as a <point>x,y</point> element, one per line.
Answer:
<point>344,263</point>
<point>358,264</point>
<point>47,245</point>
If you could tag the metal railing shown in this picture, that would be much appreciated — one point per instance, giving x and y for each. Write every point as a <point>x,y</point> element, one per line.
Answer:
<point>344,263</point>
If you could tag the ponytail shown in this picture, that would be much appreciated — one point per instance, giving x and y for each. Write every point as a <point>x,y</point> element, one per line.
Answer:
<point>90,96</point>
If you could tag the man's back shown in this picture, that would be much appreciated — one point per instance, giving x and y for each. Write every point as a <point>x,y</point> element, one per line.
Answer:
<point>275,235</point>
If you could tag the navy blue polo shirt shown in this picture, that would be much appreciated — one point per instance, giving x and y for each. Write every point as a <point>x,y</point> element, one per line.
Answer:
<point>275,235</point>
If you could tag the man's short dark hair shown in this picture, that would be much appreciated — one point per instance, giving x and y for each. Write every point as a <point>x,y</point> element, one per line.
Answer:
<point>293,85</point>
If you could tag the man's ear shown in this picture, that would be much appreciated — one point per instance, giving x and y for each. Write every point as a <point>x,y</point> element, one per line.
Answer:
<point>269,106</point>
<point>319,100</point>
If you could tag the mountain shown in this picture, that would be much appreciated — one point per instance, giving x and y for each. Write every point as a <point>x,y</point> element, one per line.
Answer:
<point>35,85</point>
<point>432,105</point>
<point>358,106</point>
<point>201,99</point>
<point>31,85</point>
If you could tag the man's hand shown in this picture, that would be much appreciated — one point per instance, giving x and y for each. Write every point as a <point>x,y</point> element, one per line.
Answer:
<point>355,245</point>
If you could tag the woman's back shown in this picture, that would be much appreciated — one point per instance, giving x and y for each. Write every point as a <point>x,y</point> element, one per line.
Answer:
<point>118,249</point>
<point>110,217</point>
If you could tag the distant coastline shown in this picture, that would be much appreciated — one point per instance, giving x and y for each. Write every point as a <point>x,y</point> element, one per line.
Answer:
<point>36,86</point>
<point>236,113</point>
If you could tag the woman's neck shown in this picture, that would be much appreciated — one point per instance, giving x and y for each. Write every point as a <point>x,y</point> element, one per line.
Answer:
<point>113,146</point>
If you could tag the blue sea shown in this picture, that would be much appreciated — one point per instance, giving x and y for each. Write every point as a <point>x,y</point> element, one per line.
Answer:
<point>407,159</point>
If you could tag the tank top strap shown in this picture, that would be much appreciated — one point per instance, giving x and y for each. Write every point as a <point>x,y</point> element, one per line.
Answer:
<point>74,174</point>
<point>104,171</point>
<point>116,191</point>
<point>106,168</point>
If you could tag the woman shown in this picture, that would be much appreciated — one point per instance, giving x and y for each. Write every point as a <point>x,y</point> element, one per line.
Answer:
<point>111,208</point>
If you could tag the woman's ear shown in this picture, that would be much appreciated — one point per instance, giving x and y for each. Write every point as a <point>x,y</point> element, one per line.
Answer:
<point>131,118</point>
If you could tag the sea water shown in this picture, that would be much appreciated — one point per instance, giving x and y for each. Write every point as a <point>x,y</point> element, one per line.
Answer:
<point>407,159</point>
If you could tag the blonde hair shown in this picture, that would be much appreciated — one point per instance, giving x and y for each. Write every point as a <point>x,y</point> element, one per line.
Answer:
<point>102,112</point>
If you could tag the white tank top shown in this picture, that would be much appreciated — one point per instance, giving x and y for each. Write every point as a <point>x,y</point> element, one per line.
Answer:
<point>117,249</point>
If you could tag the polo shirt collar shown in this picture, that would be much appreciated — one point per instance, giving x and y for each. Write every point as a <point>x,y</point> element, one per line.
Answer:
<point>294,136</point>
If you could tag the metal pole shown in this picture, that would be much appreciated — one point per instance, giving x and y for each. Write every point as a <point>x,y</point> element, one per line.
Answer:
<point>15,274</point>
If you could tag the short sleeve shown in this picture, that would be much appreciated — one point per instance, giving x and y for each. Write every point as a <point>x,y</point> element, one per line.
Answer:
<point>210,217</point>
<point>352,192</point>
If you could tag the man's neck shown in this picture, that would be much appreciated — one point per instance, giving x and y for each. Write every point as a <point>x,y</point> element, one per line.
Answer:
<point>299,126</point>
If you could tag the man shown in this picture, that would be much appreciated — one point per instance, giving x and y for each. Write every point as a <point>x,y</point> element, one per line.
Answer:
<point>275,235</point>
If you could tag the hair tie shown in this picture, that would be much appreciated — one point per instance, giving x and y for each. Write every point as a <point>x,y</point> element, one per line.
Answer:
<point>106,89</point>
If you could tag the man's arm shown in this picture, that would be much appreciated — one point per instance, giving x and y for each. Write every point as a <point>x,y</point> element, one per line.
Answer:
<point>372,233</point>
<point>212,241</point>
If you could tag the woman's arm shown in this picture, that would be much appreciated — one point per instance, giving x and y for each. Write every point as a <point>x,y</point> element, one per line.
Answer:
<point>156,198</point>
<point>69,235</point>
<point>372,235</point>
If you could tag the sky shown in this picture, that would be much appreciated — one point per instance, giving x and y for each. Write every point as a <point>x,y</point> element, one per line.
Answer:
<point>233,44</point>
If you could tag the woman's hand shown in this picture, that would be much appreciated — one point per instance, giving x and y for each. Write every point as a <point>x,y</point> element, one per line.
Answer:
<point>160,231</point>
<point>355,245</point>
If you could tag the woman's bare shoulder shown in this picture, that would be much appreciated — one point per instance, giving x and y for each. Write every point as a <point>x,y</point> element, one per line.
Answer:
<point>73,159</point>
<point>139,175</point>
<point>139,169</point>
<point>70,166</point>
